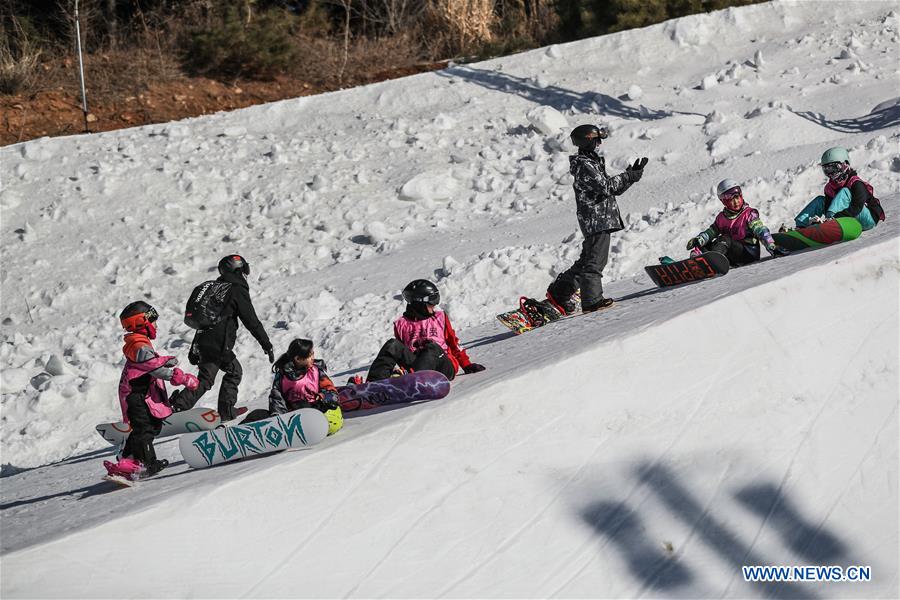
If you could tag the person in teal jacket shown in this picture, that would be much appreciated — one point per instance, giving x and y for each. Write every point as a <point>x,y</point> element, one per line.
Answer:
<point>846,195</point>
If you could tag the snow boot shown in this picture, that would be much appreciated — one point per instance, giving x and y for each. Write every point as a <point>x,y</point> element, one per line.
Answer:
<point>600,305</point>
<point>567,306</point>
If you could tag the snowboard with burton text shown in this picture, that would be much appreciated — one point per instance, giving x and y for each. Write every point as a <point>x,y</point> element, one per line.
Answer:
<point>297,429</point>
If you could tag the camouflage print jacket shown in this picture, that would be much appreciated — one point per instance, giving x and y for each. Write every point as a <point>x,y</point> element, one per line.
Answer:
<point>595,193</point>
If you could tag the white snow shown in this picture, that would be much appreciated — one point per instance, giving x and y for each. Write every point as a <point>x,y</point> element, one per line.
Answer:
<point>649,450</point>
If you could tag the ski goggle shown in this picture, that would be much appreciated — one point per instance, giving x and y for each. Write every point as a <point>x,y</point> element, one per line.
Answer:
<point>432,299</point>
<point>136,321</point>
<point>729,195</point>
<point>833,168</point>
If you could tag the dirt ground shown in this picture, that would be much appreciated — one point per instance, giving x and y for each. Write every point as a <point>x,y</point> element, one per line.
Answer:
<point>59,112</point>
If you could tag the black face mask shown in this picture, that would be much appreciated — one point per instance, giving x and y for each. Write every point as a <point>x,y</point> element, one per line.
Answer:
<point>418,309</point>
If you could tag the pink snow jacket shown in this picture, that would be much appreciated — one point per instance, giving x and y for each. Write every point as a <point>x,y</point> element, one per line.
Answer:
<point>141,359</point>
<point>745,226</point>
<point>436,328</point>
<point>293,388</point>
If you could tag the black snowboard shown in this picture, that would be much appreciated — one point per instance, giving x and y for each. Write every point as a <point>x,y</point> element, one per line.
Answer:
<point>705,266</point>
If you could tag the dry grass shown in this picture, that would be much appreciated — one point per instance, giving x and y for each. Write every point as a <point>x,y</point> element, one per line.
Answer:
<point>19,60</point>
<point>460,26</point>
<point>322,59</point>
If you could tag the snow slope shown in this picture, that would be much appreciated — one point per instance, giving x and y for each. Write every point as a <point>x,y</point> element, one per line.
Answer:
<point>649,450</point>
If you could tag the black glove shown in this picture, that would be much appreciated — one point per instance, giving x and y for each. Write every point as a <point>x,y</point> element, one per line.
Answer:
<point>775,250</point>
<point>473,368</point>
<point>327,401</point>
<point>637,169</point>
<point>271,353</point>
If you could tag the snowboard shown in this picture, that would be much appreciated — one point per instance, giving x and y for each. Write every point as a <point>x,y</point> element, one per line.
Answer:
<point>412,387</point>
<point>532,314</point>
<point>186,421</point>
<point>842,229</point>
<point>689,270</point>
<point>297,429</point>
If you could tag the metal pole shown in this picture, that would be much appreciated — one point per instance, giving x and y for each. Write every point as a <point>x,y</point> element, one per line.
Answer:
<point>84,106</point>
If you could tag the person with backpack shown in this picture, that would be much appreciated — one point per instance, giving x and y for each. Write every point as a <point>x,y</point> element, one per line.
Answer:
<point>737,230</point>
<point>215,310</point>
<point>301,381</point>
<point>598,217</point>
<point>142,393</point>
<point>845,194</point>
<point>424,339</point>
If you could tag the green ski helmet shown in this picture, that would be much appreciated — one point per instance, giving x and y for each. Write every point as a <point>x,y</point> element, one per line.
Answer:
<point>836,154</point>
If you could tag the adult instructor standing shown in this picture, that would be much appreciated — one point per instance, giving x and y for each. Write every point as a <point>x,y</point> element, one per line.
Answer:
<point>212,349</point>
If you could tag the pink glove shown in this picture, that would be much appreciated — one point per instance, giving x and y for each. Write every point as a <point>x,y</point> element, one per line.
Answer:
<point>189,381</point>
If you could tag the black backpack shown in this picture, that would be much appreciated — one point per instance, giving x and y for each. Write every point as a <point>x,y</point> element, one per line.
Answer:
<point>206,305</point>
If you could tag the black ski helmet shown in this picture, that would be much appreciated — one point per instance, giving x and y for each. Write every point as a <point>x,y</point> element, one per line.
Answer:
<point>234,263</point>
<point>421,290</point>
<point>137,314</point>
<point>587,137</point>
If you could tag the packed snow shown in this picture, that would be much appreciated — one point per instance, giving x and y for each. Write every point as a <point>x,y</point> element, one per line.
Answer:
<point>649,450</point>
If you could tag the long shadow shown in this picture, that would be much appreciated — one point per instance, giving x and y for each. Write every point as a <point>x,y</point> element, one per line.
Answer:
<point>10,470</point>
<point>805,539</point>
<point>879,119</point>
<point>647,561</point>
<point>552,95</point>
<point>714,533</point>
<point>96,489</point>
<point>648,292</point>
<point>353,371</point>
<point>488,339</point>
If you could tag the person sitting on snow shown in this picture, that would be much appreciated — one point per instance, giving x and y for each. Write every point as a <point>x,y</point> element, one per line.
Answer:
<point>423,339</point>
<point>845,195</point>
<point>300,381</point>
<point>737,230</point>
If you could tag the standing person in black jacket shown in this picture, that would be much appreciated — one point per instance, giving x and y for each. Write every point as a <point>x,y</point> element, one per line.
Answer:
<point>598,217</point>
<point>212,348</point>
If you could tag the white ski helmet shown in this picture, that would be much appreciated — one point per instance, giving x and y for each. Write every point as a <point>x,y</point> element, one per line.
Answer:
<point>725,185</point>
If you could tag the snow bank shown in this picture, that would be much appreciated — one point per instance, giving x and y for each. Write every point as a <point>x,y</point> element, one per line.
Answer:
<point>673,467</point>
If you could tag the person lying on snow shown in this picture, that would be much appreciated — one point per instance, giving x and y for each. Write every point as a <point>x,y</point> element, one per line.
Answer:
<point>423,340</point>
<point>300,381</point>
<point>142,393</point>
<point>845,195</point>
<point>737,230</point>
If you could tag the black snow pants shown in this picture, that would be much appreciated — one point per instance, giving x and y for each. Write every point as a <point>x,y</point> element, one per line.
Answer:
<point>430,357</point>
<point>207,370</point>
<point>738,252</point>
<point>144,427</point>
<point>586,273</point>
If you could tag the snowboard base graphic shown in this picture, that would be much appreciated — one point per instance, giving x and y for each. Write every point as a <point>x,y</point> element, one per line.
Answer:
<point>412,387</point>
<point>842,229</point>
<point>689,270</point>
<point>297,429</point>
